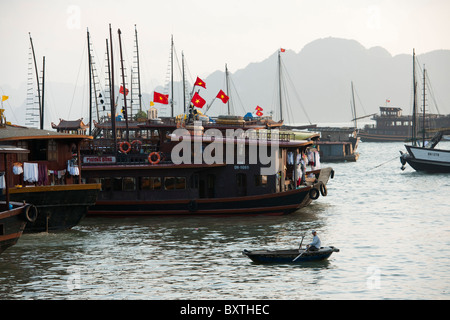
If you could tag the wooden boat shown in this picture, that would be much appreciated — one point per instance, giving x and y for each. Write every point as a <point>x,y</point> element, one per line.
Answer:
<point>13,215</point>
<point>61,197</point>
<point>290,256</point>
<point>13,219</point>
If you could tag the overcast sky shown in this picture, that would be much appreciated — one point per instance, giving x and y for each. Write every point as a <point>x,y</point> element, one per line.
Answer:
<point>210,33</point>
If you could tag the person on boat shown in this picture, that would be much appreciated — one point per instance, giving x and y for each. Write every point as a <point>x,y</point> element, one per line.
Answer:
<point>315,244</point>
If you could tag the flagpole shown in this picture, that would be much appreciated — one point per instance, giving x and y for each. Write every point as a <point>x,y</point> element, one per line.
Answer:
<point>209,106</point>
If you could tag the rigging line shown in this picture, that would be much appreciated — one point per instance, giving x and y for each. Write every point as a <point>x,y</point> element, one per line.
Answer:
<point>383,164</point>
<point>295,91</point>
<point>76,82</point>
<point>359,100</point>
<point>233,86</point>
<point>431,92</point>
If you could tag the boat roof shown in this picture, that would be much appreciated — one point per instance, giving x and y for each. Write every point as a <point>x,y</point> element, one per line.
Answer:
<point>12,149</point>
<point>15,132</point>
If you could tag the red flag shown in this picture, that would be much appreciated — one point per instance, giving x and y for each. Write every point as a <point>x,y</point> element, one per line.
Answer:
<point>259,113</point>
<point>160,98</point>
<point>258,108</point>
<point>282,50</point>
<point>222,96</point>
<point>199,82</point>
<point>121,90</point>
<point>198,101</point>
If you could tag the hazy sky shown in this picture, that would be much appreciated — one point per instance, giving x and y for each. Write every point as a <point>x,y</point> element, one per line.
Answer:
<point>209,32</point>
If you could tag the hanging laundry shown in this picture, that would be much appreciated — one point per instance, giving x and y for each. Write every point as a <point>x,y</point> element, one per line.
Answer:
<point>30,172</point>
<point>290,158</point>
<point>72,168</point>
<point>316,165</point>
<point>42,175</point>
<point>17,168</point>
<point>2,180</point>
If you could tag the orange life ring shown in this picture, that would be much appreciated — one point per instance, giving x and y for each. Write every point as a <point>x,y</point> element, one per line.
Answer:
<point>158,158</point>
<point>125,143</point>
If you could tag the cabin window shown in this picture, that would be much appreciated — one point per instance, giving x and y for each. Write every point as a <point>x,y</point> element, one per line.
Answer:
<point>260,180</point>
<point>180,183</point>
<point>169,183</point>
<point>52,151</point>
<point>129,184</point>
<point>106,184</point>
<point>150,183</point>
<point>175,183</point>
<point>2,230</point>
<point>117,184</point>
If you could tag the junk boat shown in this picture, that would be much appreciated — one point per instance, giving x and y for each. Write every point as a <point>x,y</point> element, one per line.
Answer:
<point>142,177</point>
<point>48,177</point>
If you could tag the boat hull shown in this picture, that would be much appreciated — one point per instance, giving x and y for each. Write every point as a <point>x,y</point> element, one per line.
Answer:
<point>269,204</point>
<point>12,224</point>
<point>291,256</point>
<point>278,203</point>
<point>374,137</point>
<point>427,160</point>
<point>59,207</point>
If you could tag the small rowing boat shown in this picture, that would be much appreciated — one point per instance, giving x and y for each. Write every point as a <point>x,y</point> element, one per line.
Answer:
<point>289,255</point>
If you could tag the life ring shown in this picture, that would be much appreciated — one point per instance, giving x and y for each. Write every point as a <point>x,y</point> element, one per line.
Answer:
<point>128,147</point>
<point>31,213</point>
<point>314,193</point>
<point>158,158</point>
<point>323,190</point>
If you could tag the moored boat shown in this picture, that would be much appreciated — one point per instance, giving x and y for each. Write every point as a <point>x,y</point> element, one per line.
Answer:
<point>425,157</point>
<point>289,256</point>
<point>13,215</point>
<point>48,177</point>
<point>13,218</point>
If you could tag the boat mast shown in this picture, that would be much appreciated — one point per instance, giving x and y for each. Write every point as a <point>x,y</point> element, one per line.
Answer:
<point>43,91</point>
<point>125,111</point>
<point>184,83</point>
<point>279,84</point>
<point>354,106</point>
<point>138,68</point>
<point>90,82</point>
<point>414,120</point>
<point>171,76</point>
<point>227,85</point>
<point>111,83</point>
<point>37,79</point>
<point>424,104</point>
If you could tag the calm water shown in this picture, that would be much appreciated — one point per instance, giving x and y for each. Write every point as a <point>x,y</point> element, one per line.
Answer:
<point>392,227</point>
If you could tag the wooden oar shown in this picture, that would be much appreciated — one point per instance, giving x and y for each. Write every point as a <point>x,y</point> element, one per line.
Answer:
<point>299,256</point>
<point>299,248</point>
